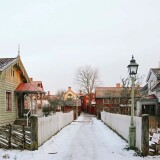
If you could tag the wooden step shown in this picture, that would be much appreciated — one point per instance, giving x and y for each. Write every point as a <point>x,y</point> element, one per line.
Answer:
<point>21,121</point>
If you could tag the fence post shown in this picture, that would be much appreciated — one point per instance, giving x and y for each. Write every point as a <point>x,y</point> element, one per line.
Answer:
<point>24,138</point>
<point>145,135</point>
<point>34,132</point>
<point>9,136</point>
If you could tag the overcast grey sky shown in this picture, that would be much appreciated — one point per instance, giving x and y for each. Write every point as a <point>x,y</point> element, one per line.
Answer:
<point>58,36</point>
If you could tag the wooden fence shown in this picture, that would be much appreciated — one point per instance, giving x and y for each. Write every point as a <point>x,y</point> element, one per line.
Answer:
<point>15,136</point>
<point>40,130</point>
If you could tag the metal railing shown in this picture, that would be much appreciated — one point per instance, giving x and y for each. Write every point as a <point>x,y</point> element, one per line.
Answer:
<point>27,115</point>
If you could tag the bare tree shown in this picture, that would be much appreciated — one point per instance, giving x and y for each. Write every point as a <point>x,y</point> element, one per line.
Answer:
<point>87,78</point>
<point>126,92</point>
<point>60,97</point>
<point>58,101</point>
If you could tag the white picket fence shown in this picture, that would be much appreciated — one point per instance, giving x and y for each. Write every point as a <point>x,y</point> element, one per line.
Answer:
<point>120,124</point>
<point>49,126</point>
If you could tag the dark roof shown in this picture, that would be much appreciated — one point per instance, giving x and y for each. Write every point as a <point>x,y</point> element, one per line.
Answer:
<point>156,71</point>
<point>156,87</point>
<point>4,62</point>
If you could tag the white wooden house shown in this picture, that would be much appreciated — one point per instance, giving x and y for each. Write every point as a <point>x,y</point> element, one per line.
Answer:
<point>150,103</point>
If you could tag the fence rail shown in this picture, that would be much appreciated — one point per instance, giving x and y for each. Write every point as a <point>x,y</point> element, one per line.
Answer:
<point>15,136</point>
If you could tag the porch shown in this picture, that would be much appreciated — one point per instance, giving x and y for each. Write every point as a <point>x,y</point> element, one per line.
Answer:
<point>28,101</point>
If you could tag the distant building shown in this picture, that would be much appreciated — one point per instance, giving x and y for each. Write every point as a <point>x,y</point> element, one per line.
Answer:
<point>72,100</point>
<point>110,98</point>
<point>88,103</point>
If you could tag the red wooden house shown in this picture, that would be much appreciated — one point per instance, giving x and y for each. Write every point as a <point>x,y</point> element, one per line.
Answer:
<point>111,99</point>
<point>88,103</point>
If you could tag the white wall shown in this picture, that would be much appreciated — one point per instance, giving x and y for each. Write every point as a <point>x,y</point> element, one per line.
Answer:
<point>49,126</point>
<point>120,124</point>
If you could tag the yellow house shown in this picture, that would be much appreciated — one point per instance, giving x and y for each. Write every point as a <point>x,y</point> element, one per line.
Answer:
<point>72,102</point>
<point>12,73</point>
<point>70,94</point>
<point>16,88</point>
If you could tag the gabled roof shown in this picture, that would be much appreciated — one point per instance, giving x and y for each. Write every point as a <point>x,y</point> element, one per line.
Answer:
<point>37,84</point>
<point>5,62</point>
<point>28,88</point>
<point>69,91</point>
<point>155,71</point>
<point>156,87</point>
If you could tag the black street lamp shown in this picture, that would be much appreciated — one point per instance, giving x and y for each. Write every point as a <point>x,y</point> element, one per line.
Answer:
<point>132,67</point>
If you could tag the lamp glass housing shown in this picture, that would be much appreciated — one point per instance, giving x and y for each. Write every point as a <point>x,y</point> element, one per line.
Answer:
<point>133,67</point>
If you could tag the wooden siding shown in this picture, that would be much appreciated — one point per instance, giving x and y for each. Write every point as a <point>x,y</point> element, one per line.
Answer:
<point>8,82</point>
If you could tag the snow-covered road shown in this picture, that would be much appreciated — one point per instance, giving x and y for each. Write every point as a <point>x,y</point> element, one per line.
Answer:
<point>84,139</point>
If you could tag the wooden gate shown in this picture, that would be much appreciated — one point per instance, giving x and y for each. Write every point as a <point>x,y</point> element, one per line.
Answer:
<point>15,136</point>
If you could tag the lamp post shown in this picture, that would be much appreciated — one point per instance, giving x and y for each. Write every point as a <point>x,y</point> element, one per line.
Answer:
<point>132,67</point>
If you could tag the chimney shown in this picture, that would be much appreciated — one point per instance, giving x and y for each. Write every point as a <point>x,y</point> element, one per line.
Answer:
<point>31,79</point>
<point>69,88</point>
<point>118,85</point>
<point>48,93</point>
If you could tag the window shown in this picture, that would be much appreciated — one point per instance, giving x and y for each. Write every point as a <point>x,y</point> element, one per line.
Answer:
<point>69,96</point>
<point>8,101</point>
<point>12,73</point>
<point>107,101</point>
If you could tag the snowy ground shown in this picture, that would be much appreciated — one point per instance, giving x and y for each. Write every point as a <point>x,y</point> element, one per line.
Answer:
<point>85,139</point>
